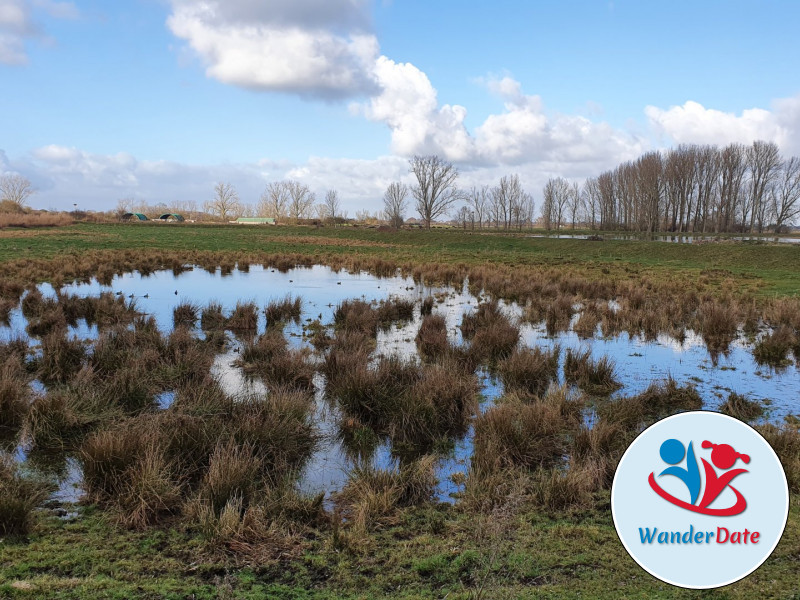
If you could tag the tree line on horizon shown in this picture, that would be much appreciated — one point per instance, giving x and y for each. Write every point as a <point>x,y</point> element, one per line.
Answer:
<point>689,188</point>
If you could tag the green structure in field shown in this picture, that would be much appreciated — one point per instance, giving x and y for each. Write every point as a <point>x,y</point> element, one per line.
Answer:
<point>134,217</point>
<point>171,217</point>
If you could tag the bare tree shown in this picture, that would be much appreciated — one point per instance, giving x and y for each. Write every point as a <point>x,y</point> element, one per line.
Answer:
<point>395,203</point>
<point>225,203</point>
<point>590,195</point>
<point>321,211</point>
<point>574,203</point>
<point>332,204</point>
<point>478,200</point>
<point>556,196</point>
<point>301,199</point>
<point>274,200</point>
<point>785,193</point>
<point>16,189</point>
<point>436,189</point>
<point>763,159</point>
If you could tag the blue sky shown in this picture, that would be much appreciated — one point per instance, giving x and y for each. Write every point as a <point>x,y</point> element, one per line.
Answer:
<point>158,99</point>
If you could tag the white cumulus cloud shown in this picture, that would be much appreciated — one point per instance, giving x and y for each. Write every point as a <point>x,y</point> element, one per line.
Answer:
<point>307,47</point>
<point>694,123</point>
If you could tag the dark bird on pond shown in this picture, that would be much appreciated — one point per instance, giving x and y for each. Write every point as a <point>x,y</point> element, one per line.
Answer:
<point>291,281</point>
<point>131,296</point>
<point>119,293</point>
<point>176,292</point>
<point>146,296</point>
<point>236,350</point>
<point>338,283</point>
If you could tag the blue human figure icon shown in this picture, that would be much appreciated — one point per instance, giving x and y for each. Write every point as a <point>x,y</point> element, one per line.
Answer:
<point>672,453</point>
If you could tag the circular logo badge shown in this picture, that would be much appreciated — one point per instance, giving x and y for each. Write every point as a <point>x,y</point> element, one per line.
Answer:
<point>700,500</point>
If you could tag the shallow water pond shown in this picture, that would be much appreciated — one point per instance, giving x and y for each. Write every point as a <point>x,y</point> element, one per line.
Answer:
<point>638,362</point>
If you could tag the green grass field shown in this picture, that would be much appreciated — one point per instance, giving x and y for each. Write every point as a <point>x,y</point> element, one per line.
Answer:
<point>434,551</point>
<point>772,267</point>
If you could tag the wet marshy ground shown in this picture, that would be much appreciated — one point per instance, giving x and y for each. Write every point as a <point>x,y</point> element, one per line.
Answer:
<point>359,374</point>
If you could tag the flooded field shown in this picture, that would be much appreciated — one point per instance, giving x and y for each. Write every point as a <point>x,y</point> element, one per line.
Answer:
<point>637,361</point>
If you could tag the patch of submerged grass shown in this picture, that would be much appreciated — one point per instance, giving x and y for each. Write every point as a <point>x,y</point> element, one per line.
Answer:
<point>282,311</point>
<point>660,399</point>
<point>49,321</point>
<point>19,497</point>
<point>593,376</point>
<point>426,306</point>
<point>530,370</point>
<point>772,349</point>
<point>742,408</point>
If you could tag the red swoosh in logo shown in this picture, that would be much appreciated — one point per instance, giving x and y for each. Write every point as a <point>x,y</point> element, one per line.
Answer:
<point>737,508</point>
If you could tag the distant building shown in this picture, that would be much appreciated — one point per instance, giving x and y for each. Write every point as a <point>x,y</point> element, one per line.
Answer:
<point>256,221</point>
<point>134,217</point>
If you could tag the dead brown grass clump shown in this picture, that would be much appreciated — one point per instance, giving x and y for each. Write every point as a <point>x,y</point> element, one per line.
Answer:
<point>19,497</point>
<point>34,219</point>
<point>742,408</point>
<point>270,358</point>
<point>212,318</point>
<point>530,370</point>
<point>660,399</point>
<point>528,435</point>
<point>718,324</point>
<point>493,336</point>
<point>185,315</point>
<point>785,441</point>
<point>593,376</point>
<point>372,496</point>
<point>772,349</point>
<point>244,318</point>
<point>586,325</point>
<point>61,358</point>
<point>356,316</point>
<point>15,395</point>
<point>431,338</point>
<point>281,311</point>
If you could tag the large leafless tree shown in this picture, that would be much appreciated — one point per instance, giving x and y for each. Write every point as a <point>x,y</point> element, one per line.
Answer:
<point>395,203</point>
<point>332,204</point>
<point>225,203</point>
<point>435,189</point>
<point>785,194</point>
<point>16,189</point>
<point>301,200</point>
<point>274,200</point>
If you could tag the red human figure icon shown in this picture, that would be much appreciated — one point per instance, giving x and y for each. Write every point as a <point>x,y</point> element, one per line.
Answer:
<point>724,457</point>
